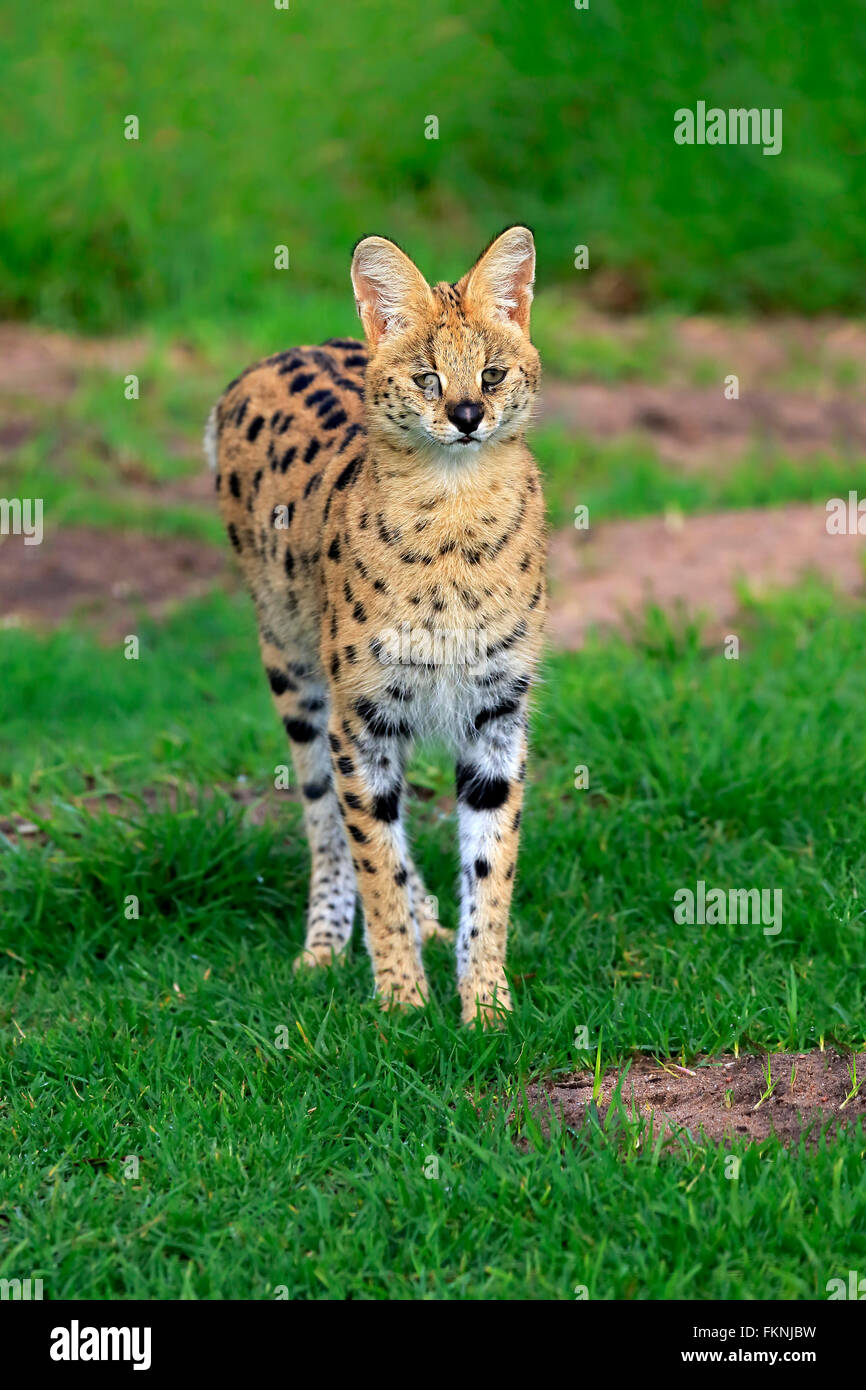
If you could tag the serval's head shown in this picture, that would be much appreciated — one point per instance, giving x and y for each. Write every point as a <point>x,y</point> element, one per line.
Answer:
<point>452,370</point>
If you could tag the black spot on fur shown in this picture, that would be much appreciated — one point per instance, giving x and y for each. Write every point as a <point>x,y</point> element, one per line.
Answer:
<point>299,731</point>
<point>279,681</point>
<point>479,792</point>
<point>313,791</point>
<point>348,474</point>
<point>380,723</point>
<point>499,712</point>
<point>386,807</point>
<point>301,382</point>
<point>351,434</point>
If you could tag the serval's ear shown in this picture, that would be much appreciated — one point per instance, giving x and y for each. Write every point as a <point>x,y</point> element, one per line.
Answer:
<point>389,290</point>
<point>499,285</point>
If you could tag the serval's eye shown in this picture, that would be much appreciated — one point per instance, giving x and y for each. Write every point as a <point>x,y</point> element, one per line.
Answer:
<point>429,383</point>
<point>491,376</point>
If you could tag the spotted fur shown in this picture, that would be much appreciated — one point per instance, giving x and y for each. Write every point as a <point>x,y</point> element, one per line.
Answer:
<point>378,499</point>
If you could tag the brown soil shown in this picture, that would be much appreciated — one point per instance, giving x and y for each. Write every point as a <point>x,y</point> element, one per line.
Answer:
<point>107,575</point>
<point>602,578</point>
<point>767,347</point>
<point>262,805</point>
<point>699,428</point>
<point>606,576</point>
<point>599,579</point>
<point>719,1098</point>
<point>45,365</point>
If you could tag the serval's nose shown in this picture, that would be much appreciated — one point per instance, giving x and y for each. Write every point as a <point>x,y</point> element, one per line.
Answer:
<point>465,415</point>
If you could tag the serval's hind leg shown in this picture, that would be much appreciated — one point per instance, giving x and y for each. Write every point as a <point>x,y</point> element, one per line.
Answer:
<point>369,758</point>
<point>425,910</point>
<point>301,698</point>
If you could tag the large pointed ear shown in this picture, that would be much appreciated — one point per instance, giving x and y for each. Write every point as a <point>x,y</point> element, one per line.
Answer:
<point>500,283</point>
<point>389,289</point>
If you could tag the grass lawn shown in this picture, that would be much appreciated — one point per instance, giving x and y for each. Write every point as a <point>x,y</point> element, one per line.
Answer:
<point>288,1134</point>
<point>268,128</point>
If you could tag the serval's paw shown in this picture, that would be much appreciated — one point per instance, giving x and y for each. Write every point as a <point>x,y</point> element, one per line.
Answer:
<point>403,994</point>
<point>313,956</point>
<point>485,998</point>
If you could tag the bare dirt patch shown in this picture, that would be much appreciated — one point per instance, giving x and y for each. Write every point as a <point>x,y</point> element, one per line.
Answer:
<point>45,365</point>
<point>768,347</point>
<point>827,352</point>
<point>106,575</point>
<point>697,428</point>
<point>260,805</point>
<point>693,566</point>
<point>721,1098</point>
<point>604,578</point>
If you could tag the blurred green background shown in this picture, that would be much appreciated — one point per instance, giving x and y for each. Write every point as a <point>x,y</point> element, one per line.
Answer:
<point>305,127</point>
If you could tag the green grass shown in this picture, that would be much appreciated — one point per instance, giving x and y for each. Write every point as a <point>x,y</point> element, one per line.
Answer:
<point>624,477</point>
<point>284,127</point>
<point>304,1165</point>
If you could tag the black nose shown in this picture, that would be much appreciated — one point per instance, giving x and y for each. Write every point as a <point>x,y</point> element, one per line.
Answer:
<point>466,415</point>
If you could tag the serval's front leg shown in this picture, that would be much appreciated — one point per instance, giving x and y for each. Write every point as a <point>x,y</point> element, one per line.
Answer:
<point>490,774</point>
<point>369,747</point>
